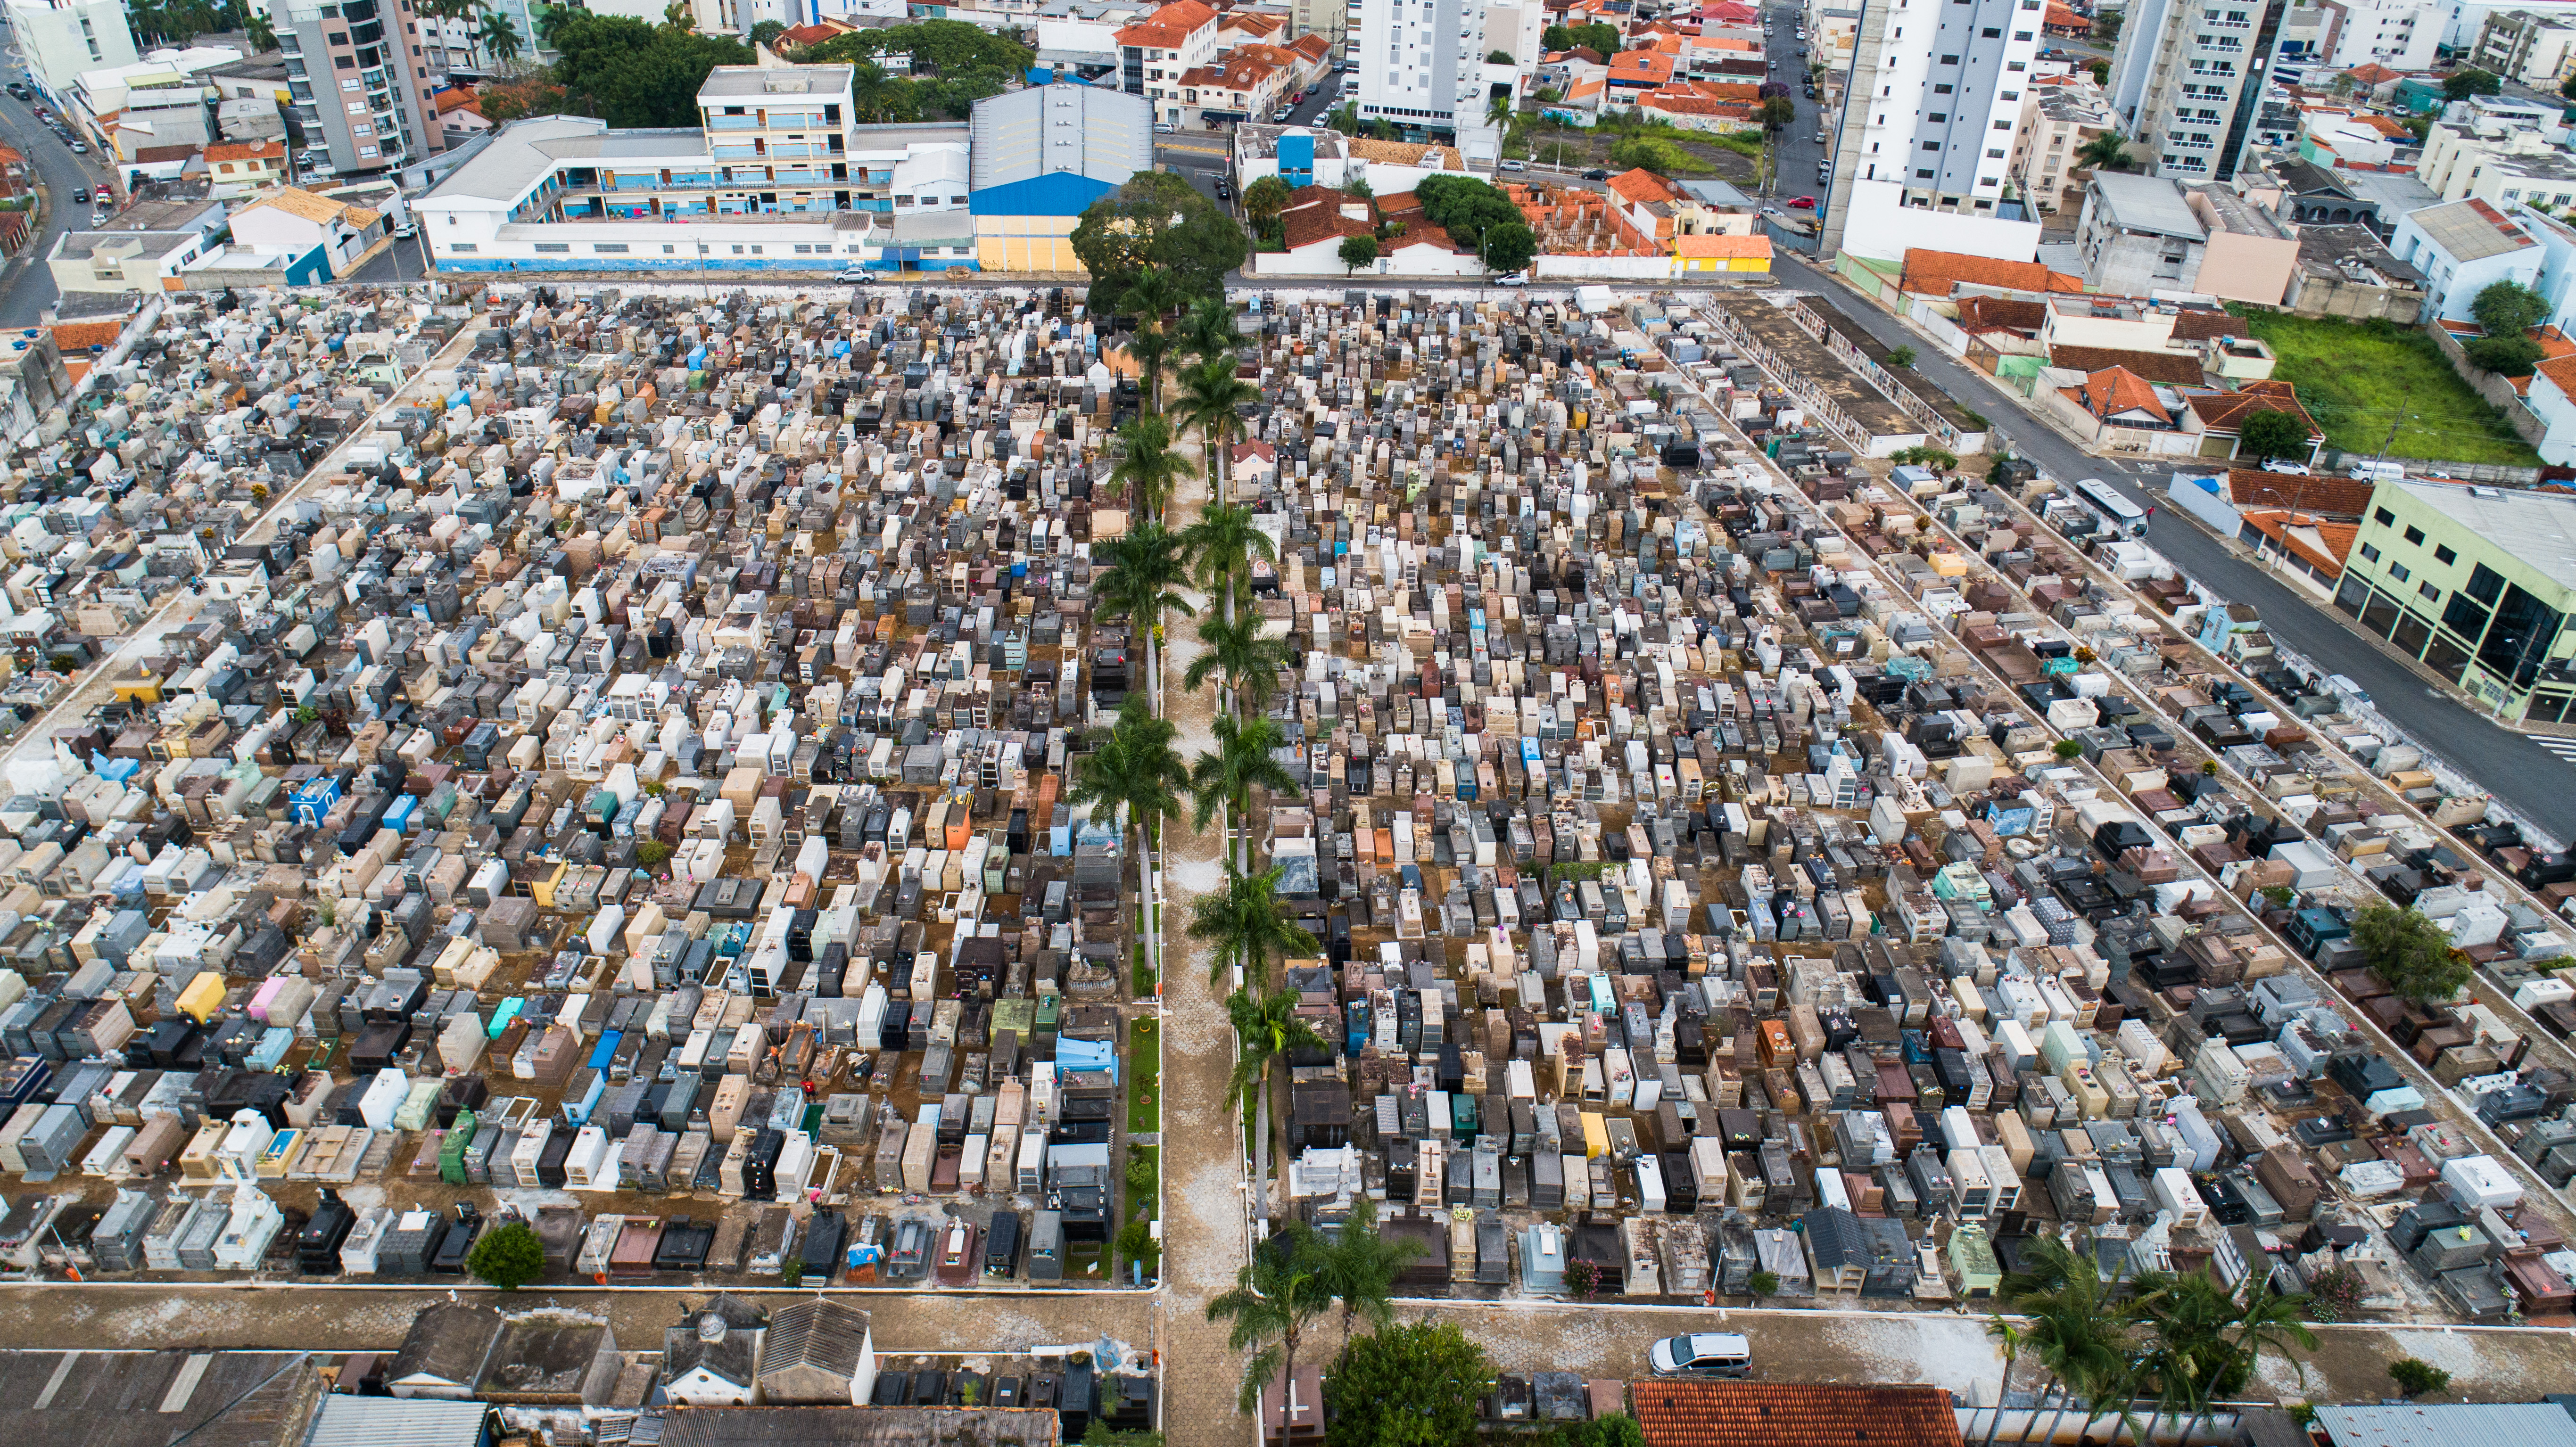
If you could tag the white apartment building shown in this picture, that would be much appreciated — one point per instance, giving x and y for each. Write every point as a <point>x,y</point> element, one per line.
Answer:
<point>2186,80</point>
<point>1422,63</point>
<point>2467,17</point>
<point>1327,18</point>
<point>1154,52</point>
<point>1936,95</point>
<point>2399,34</point>
<point>62,38</point>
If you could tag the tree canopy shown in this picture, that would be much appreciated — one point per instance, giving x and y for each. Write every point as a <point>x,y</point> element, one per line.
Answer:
<point>953,65</point>
<point>1358,251</point>
<point>508,1255</point>
<point>1510,247</point>
<point>632,74</point>
<point>2274,434</point>
<point>2461,84</point>
<point>2409,952</point>
<point>2508,308</point>
<point>528,95</point>
<point>2504,356</point>
<point>1156,219</point>
<point>1597,36</point>
<point>1466,208</point>
<point>1413,1384</point>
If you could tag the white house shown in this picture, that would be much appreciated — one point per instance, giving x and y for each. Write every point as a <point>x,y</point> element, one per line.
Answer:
<point>2462,247</point>
<point>711,1358</point>
<point>295,221</point>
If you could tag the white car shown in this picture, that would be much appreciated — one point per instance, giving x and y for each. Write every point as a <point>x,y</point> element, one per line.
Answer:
<point>857,277</point>
<point>2277,465</point>
<point>1701,1354</point>
<point>1512,278</point>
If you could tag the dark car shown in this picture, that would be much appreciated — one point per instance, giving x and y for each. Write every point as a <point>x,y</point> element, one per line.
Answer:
<point>1596,175</point>
<point>20,90</point>
<point>1224,190</point>
<point>81,194</point>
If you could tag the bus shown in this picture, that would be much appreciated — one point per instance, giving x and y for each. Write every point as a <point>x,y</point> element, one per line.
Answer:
<point>2118,511</point>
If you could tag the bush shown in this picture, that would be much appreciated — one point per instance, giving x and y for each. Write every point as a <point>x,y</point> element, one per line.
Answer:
<point>1582,1278</point>
<point>1901,357</point>
<point>2513,356</point>
<point>2273,434</point>
<point>2334,1294</point>
<point>792,1271</point>
<point>508,1256</point>
<point>1763,1283</point>
<point>2415,1379</point>
<point>652,853</point>
<point>2069,749</point>
<point>1649,153</point>
<point>2409,952</point>
<point>1136,1243</point>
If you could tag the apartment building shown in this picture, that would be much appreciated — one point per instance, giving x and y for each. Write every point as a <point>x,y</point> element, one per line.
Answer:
<point>2187,81</point>
<point>359,79</point>
<point>2499,154</point>
<point>59,39</point>
<point>776,166</point>
<point>1422,65</point>
<point>2398,34</point>
<point>2058,117</point>
<point>1927,126</point>
<point>1155,52</point>
<point>2534,47</point>
<point>1327,18</point>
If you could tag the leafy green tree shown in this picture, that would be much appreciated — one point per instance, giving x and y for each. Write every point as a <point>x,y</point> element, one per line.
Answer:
<point>1263,200</point>
<point>1616,1430</point>
<point>1222,544</point>
<point>262,32</point>
<point>1466,207</point>
<point>2274,434</point>
<point>632,74</point>
<point>1241,762</point>
<point>2409,952</point>
<point>1498,57</point>
<point>767,33</point>
<point>502,101</point>
<point>508,1256</point>
<point>1358,251</point>
<point>1275,1299</point>
<point>1362,1266</point>
<point>1777,112</point>
<point>1762,1284</point>
<point>1510,248</point>
<point>2508,308</point>
<point>2075,1328</point>
<point>2101,70</point>
<point>2462,84</point>
<point>1242,924</point>
<point>1414,1384</point>
<point>2417,1379</point>
<point>1266,1027</point>
<point>1156,219</point>
<point>1208,331</point>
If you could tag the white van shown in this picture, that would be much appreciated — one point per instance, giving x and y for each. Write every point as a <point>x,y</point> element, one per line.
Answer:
<point>2379,471</point>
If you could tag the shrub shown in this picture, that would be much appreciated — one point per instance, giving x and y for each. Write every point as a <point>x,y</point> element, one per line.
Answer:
<point>1901,357</point>
<point>2409,952</point>
<point>2335,1293</point>
<point>2514,356</point>
<point>1582,1278</point>
<point>792,1271</point>
<point>2415,1379</point>
<point>1763,1283</point>
<point>508,1256</point>
<point>1136,1243</point>
<point>2069,749</point>
<point>652,853</point>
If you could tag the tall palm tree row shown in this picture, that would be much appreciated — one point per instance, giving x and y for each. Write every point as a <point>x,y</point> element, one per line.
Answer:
<point>1212,400</point>
<point>1266,1022</point>
<point>1249,660</point>
<point>1151,298</point>
<point>1147,564</point>
<point>1147,467</point>
<point>1242,924</point>
<point>2181,1342</point>
<point>1134,770</point>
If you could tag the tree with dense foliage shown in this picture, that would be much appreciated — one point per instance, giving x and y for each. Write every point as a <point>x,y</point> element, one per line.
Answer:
<point>1207,328</point>
<point>1616,1430</point>
<point>1357,251</point>
<point>1274,1300</point>
<point>2409,952</point>
<point>502,101</point>
<point>1243,925</point>
<point>1510,248</point>
<point>1146,565</point>
<point>2273,433</point>
<point>767,33</point>
<point>1263,200</point>
<point>1465,207</point>
<point>508,1256</point>
<point>2075,1329</point>
<point>1160,220</point>
<point>1222,544</point>
<point>632,74</point>
<point>1598,36</point>
<point>262,32</point>
<point>2508,308</point>
<point>1266,1027</point>
<point>2462,84</point>
<point>2415,1378</point>
<point>499,38</point>
<point>1147,301</point>
<point>1212,399</point>
<point>1777,112</point>
<point>1412,1384</point>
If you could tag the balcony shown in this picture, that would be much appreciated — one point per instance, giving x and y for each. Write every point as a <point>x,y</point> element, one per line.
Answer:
<point>733,123</point>
<point>735,153</point>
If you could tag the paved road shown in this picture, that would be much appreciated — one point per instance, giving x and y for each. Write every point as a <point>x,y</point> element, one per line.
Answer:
<point>2502,762</point>
<point>1796,146</point>
<point>26,283</point>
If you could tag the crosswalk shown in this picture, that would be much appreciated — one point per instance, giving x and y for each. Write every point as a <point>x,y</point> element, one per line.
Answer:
<point>2565,749</point>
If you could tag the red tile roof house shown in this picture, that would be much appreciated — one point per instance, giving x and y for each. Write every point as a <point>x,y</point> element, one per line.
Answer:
<point>1674,1413</point>
<point>2115,407</point>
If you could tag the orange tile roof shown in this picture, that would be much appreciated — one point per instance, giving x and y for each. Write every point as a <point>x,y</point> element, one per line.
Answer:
<point>1683,103</point>
<point>2290,529</point>
<point>1722,246</point>
<point>459,99</point>
<point>1642,185</point>
<point>2323,493</point>
<point>246,151</point>
<point>1641,67</point>
<point>2175,369</point>
<point>1169,28</point>
<point>1306,222</point>
<point>1311,46</point>
<point>2371,74</point>
<point>2115,390</point>
<point>1253,21</point>
<point>1938,273</point>
<point>1788,1414</point>
<point>2227,411</point>
<point>81,336</point>
<point>1591,85</point>
<point>2001,313</point>
<point>2562,372</point>
<point>1237,71</point>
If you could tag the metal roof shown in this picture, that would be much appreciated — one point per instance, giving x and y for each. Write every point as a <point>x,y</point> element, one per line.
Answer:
<point>346,1421</point>
<point>2467,231</point>
<point>2537,527</point>
<point>2147,203</point>
<point>2524,1424</point>
<point>1101,134</point>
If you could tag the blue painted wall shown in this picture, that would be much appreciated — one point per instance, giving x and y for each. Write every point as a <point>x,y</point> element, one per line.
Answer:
<point>1059,193</point>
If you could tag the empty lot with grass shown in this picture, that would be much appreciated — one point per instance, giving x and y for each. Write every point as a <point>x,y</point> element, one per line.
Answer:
<point>2356,378</point>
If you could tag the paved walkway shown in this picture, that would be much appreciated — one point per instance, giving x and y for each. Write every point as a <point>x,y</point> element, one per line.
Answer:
<point>1204,1232</point>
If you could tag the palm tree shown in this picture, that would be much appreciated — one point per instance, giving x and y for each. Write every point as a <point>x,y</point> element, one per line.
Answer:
<point>1212,400</point>
<point>1223,543</point>
<point>499,38</point>
<point>1273,1301</point>
<point>2106,151</point>
<point>2076,1330</point>
<point>1145,564</point>
<point>1150,298</point>
<point>1249,660</point>
<point>1266,1026</point>
<point>1242,924</point>
<point>1135,769</point>
<point>871,90</point>
<point>2271,1321</point>
<point>2002,1330</point>
<point>1361,1267</point>
<point>262,32</point>
<point>1226,775</point>
<point>1148,466</point>
<point>1208,328</point>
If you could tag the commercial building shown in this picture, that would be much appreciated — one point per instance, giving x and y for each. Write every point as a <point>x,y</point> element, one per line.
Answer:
<point>1039,157</point>
<point>1929,129</point>
<point>2187,81</point>
<point>2058,117</point>
<point>2475,581</point>
<point>2461,249</point>
<point>360,84</point>
<point>60,39</point>
<point>120,261</point>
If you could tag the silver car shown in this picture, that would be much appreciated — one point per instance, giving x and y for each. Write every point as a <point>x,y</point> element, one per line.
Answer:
<point>1701,1354</point>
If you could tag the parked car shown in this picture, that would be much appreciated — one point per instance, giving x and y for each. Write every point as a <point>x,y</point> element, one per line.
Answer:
<point>79,149</point>
<point>19,89</point>
<point>910,1260</point>
<point>1224,189</point>
<point>957,1254</point>
<point>1802,203</point>
<point>81,194</point>
<point>1701,1354</point>
<point>1596,174</point>
<point>1820,135</point>
<point>407,230</point>
<point>854,276</point>
<point>1280,116</point>
<point>1165,128</point>
<point>1512,278</point>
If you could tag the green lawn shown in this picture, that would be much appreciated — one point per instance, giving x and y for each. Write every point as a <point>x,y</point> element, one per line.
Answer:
<point>2357,378</point>
<point>1144,1078</point>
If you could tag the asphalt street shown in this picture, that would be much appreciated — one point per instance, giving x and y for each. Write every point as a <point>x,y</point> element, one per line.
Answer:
<point>1795,147</point>
<point>26,282</point>
<point>2502,762</point>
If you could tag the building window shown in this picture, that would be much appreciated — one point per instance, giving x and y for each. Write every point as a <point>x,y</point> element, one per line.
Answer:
<point>2399,572</point>
<point>2415,537</point>
<point>2369,554</point>
<point>2445,556</point>
<point>609,248</point>
<point>2429,591</point>
<point>2485,583</point>
<point>553,248</point>
<point>466,246</point>
<point>2383,517</point>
